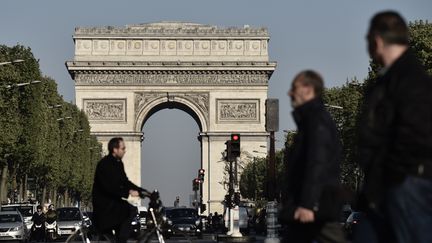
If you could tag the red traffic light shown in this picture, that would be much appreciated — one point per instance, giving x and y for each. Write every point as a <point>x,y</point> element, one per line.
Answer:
<point>235,137</point>
<point>197,181</point>
<point>201,171</point>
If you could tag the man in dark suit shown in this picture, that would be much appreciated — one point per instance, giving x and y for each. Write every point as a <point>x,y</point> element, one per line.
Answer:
<point>311,205</point>
<point>111,186</point>
<point>395,147</point>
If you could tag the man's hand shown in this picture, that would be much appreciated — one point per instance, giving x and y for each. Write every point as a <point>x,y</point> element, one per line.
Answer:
<point>133,193</point>
<point>304,215</point>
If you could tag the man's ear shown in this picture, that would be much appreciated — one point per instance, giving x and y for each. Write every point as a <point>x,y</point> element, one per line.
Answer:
<point>379,43</point>
<point>310,92</point>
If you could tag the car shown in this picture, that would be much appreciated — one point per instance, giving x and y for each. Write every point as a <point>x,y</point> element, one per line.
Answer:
<point>352,222</point>
<point>26,209</point>
<point>181,221</point>
<point>69,219</point>
<point>13,227</point>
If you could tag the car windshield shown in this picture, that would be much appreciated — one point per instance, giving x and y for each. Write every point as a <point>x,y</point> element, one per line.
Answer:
<point>26,211</point>
<point>9,218</point>
<point>182,213</point>
<point>356,216</point>
<point>68,214</point>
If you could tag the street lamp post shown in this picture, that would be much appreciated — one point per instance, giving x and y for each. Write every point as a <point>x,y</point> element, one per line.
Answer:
<point>334,106</point>
<point>11,62</point>
<point>64,118</point>
<point>54,106</point>
<point>9,86</point>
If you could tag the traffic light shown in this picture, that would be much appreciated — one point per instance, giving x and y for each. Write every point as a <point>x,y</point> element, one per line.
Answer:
<point>228,201</point>
<point>233,147</point>
<point>201,173</point>
<point>237,198</point>
<point>203,207</point>
<point>195,184</point>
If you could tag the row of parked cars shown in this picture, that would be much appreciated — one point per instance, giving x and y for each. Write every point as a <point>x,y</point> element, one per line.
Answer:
<point>16,224</point>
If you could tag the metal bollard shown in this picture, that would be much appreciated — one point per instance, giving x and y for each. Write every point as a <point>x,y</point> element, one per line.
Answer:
<point>272,224</point>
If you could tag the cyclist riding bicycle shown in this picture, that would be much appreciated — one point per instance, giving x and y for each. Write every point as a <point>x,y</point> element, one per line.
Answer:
<point>110,189</point>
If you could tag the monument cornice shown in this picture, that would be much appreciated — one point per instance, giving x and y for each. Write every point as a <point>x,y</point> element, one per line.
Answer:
<point>169,29</point>
<point>170,64</point>
<point>79,69</point>
<point>172,77</point>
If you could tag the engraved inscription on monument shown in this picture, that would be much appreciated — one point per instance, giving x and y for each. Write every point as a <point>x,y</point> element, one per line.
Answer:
<point>105,109</point>
<point>179,79</point>
<point>238,110</point>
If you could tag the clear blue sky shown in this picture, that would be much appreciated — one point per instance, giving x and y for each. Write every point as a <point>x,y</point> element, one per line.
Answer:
<point>324,35</point>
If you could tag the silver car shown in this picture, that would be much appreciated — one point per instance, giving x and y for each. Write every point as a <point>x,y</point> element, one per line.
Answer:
<point>68,220</point>
<point>12,227</point>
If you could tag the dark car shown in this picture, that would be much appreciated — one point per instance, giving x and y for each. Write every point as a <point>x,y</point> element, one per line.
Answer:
<point>352,222</point>
<point>181,221</point>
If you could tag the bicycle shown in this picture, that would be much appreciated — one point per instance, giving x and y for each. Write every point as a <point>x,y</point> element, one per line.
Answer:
<point>155,207</point>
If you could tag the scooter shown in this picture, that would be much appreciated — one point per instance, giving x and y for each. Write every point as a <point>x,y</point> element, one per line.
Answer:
<point>51,231</point>
<point>37,233</point>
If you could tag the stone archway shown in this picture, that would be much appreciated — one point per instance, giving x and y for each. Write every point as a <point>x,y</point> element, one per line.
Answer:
<point>217,75</point>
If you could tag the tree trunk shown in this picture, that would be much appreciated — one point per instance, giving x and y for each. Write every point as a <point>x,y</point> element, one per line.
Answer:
<point>55,196</point>
<point>66,198</point>
<point>20,190</point>
<point>25,196</point>
<point>14,179</point>
<point>3,189</point>
<point>44,190</point>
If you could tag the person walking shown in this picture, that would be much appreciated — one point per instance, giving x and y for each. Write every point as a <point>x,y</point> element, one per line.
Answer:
<point>395,146</point>
<point>312,202</point>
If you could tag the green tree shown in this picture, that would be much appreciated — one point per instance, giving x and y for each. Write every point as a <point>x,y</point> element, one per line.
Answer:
<point>344,104</point>
<point>41,140</point>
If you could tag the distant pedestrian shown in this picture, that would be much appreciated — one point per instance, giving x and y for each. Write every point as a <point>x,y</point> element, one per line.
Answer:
<point>395,147</point>
<point>177,202</point>
<point>312,205</point>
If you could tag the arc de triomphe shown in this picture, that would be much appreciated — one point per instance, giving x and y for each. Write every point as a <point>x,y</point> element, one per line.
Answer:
<point>217,75</point>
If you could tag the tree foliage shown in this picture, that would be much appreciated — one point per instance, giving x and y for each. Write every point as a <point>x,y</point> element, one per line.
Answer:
<point>45,140</point>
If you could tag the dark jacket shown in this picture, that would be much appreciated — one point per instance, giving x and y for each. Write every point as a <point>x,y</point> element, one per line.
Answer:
<point>38,219</point>
<point>110,186</point>
<point>396,127</point>
<point>51,216</point>
<point>313,162</point>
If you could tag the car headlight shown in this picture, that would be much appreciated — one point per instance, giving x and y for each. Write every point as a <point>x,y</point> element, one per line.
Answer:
<point>134,223</point>
<point>17,228</point>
